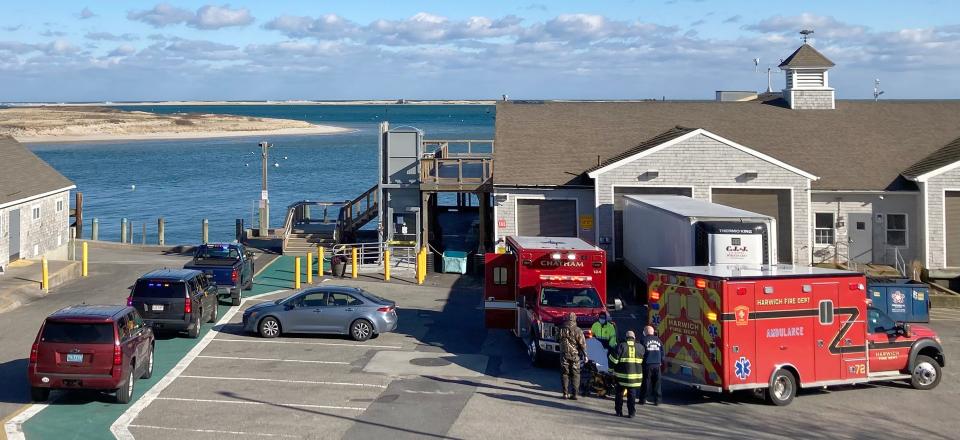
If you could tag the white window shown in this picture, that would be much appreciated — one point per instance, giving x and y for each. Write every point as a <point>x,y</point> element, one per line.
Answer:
<point>59,205</point>
<point>823,232</point>
<point>897,229</point>
<point>35,213</point>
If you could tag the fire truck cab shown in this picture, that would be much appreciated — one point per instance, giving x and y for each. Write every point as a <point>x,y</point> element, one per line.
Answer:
<point>533,283</point>
<point>776,329</point>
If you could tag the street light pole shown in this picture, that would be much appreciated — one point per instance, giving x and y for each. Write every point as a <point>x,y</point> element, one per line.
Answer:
<point>264,199</point>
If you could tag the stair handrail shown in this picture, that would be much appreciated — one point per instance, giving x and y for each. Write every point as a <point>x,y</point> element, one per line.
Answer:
<point>899,262</point>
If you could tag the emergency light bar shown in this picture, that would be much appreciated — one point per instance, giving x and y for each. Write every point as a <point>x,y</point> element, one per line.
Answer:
<point>565,278</point>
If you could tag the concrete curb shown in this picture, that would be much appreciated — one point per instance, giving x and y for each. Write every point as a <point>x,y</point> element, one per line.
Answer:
<point>177,249</point>
<point>31,290</point>
<point>944,302</point>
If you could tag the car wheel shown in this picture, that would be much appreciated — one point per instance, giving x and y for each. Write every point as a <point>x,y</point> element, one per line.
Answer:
<point>213,313</point>
<point>194,332</point>
<point>783,388</point>
<point>39,394</point>
<point>925,374</point>
<point>269,327</point>
<point>149,371</point>
<point>361,330</point>
<point>126,391</point>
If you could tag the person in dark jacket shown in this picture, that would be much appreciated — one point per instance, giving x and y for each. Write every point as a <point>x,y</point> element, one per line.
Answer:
<point>573,346</point>
<point>627,363</point>
<point>652,358</point>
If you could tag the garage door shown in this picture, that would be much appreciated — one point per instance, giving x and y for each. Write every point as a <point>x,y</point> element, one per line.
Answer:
<point>618,193</point>
<point>772,202</point>
<point>547,218</point>
<point>952,227</point>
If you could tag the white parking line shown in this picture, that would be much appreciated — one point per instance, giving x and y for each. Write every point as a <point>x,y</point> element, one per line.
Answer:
<point>309,382</point>
<point>13,427</point>
<point>119,428</point>
<point>242,402</point>
<point>232,358</point>
<point>331,344</point>
<point>214,431</point>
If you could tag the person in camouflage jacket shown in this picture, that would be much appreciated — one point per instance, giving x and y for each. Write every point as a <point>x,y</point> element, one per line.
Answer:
<point>573,346</point>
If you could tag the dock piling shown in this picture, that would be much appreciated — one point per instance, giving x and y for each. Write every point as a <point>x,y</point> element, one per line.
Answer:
<point>143,234</point>
<point>205,231</point>
<point>95,229</point>
<point>123,230</point>
<point>160,230</point>
<point>130,232</point>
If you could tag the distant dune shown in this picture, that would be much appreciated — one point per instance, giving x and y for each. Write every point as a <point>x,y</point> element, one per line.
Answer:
<point>290,102</point>
<point>90,123</point>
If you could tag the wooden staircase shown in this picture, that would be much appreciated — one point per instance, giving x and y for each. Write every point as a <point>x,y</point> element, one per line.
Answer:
<point>357,213</point>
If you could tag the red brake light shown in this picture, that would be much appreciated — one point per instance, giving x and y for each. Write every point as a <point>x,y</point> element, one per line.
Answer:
<point>33,353</point>
<point>187,305</point>
<point>117,354</point>
<point>701,283</point>
<point>233,276</point>
<point>654,295</point>
<point>385,309</point>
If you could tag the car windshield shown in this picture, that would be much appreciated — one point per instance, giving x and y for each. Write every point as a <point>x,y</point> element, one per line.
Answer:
<point>217,253</point>
<point>77,333</point>
<point>585,297</point>
<point>159,289</point>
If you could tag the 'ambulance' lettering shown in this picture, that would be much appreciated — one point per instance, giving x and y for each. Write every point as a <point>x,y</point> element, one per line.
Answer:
<point>783,332</point>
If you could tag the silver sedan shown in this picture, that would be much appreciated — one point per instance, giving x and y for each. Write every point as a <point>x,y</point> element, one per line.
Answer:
<point>325,309</point>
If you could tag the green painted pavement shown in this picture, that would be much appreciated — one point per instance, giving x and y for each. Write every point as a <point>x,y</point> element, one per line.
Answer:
<point>82,415</point>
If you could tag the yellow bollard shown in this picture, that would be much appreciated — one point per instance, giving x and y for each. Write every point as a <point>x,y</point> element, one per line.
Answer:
<point>353,263</point>
<point>309,267</point>
<point>84,260</point>
<point>44,274</point>
<point>421,265</point>
<point>319,261</point>
<point>296,278</point>
<point>386,265</point>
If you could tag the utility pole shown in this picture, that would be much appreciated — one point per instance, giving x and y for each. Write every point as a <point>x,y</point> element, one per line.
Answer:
<point>264,199</point>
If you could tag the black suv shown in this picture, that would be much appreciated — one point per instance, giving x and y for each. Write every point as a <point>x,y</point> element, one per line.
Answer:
<point>175,299</point>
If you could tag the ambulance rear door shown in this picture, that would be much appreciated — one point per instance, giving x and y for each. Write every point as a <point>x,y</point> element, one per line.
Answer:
<point>740,365</point>
<point>499,291</point>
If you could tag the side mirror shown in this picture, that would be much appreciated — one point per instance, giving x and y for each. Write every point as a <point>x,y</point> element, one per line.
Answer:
<point>616,306</point>
<point>903,329</point>
<point>288,306</point>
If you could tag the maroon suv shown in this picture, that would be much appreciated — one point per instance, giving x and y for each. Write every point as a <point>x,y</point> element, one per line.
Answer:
<point>92,348</point>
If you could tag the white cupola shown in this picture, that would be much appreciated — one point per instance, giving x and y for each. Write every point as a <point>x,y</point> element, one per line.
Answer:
<point>808,80</point>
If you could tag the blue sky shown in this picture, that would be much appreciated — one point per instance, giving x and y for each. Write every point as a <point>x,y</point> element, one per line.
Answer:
<point>679,49</point>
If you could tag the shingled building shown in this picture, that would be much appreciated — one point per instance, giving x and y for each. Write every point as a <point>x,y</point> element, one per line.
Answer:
<point>34,205</point>
<point>871,182</point>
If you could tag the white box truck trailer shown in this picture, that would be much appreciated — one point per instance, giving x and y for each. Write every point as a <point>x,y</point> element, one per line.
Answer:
<point>668,231</point>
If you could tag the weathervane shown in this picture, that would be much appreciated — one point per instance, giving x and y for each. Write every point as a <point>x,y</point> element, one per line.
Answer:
<point>806,34</point>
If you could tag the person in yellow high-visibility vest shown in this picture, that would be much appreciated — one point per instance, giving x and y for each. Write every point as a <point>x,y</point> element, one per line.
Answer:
<point>605,332</point>
<point>627,364</point>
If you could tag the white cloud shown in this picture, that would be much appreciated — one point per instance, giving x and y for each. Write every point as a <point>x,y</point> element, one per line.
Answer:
<point>122,51</point>
<point>107,36</point>
<point>329,26</point>
<point>207,17</point>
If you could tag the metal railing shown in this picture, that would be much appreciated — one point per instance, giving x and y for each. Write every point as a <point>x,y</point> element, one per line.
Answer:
<point>456,162</point>
<point>361,209</point>
<point>370,256</point>
<point>898,262</point>
<point>846,260</point>
<point>443,147</point>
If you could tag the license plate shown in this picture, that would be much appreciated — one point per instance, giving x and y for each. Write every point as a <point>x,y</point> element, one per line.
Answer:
<point>74,357</point>
<point>157,307</point>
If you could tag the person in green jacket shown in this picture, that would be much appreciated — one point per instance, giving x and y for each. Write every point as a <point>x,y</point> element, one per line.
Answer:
<point>605,332</point>
<point>627,364</point>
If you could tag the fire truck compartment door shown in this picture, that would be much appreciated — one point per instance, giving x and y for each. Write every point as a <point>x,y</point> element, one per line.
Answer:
<point>827,359</point>
<point>740,363</point>
<point>499,291</point>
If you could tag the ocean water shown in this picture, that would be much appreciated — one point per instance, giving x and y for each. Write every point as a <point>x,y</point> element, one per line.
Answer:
<point>186,181</point>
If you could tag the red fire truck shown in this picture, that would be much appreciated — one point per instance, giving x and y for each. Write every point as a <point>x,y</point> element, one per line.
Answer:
<point>775,329</point>
<point>533,283</point>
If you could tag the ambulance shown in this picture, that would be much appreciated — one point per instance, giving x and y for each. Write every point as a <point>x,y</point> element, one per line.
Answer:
<point>776,329</point>
<point>533,283</point>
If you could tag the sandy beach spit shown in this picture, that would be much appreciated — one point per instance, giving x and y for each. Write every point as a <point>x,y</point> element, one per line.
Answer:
<point>290,102</point>
<point>80,124</point>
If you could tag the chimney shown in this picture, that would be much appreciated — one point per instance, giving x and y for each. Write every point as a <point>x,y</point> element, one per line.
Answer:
<point>808,79</point>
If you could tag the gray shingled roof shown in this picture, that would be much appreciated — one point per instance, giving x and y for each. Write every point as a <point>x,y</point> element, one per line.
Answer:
<point>806,56</point>
<point>24,175</point>
<point>862,145</point>
<point>661,138</point>
<point>936,160</point>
